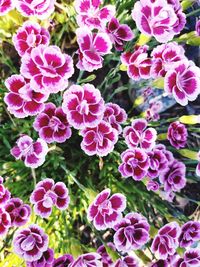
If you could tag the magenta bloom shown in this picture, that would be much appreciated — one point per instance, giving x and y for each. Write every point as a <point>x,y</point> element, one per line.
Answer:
<point>197,27</point>
<point>91,15</point>
<point>153,186</point>
<point>83,105</point>
<point>159,18</point>
<point>167,153</point>
<point>119,33</point>
<point>6,6</point>
<point>160,263</point>
<point>165,242</point>
<point>32,153</point>
<point>198,164</point>
<point>106,259</point>
<point>132,232</point>
<point>41,9</point>
<point>63,261</point>
<point>5,222</point>
<point>190,233</point>
<point>4,193</point>
<point>18,211</point>
<point>52,124</point>
<point>115,115</point>
<point>191,258</point>
<point>46,260</point>
<point>30,243</point>
<point>99,140</point>
<point>105,211</point>
<point>22,100</point>
<point>137,135</point>
<point>47,68</point>
<point>138,63</point>
<point>30,35</point>
<point>88,260</point>
<point>92,48</point>
<point>47,194</point>
<point>135,164</point>
<point>152,113</point>
<point>127,261</point>
<point>177,134</point>
<point>183,82</point>
<point>157,163</point>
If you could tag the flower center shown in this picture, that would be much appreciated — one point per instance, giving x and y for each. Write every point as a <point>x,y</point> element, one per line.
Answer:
<point>54,123</point>
<point>49,199</point>
<point>133,162</point>
<point>83,108</point>
<point>31,39</point>
<point>28,244</point>
<point>105,207</point>
<point>99,138</point>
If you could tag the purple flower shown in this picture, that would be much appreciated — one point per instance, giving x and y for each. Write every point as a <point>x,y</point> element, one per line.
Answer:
<point>92,48</point>
<point>167,153</point>
<point>173,178</point>
<point>32,153</point>
<point>99,140</point>
<point>105,211</point>
<point>137,135</point>
<point>40,9</point>
<point>135,164</point>
<point>52,124</point>
<point>191,258</point>
<point>127,261</point>
<point>30,243</point>
<point>83,105</point>
<point>4,193</point>
<point>160,263</point>
<point>132,232</point>
<point>22,100</point>
<point>63,261</point>
<point>6,6</point>
<point>88,260</point>
<point>152,113</point>
<point>47,68</point>
<point>30,35</point>
<point>5,222</point>
<point>106,259</point>
<point>115,115</point>
<point>153,186</point>
<point>183,82</point>
<point>46,194</point>
<point>197,27</point>
<point>177,134</point>
<point>190,233</point>
<point>18,211</point>
<point>157,163</point>
<point>46,260</point>
<point>198,164</point>
<point>165,242</point>
<point>119,33</point>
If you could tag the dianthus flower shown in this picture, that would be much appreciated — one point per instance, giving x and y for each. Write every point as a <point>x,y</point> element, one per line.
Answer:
<point>88,260</point>
<point>5,221</point>
<point>63,261</point>
<point>177,134</point>
<point>127,261</point>
<point>46,259</point>
<point>191,258</point>
<point>6,6</point>
<point>190,233</point>
<point>106,259</point>
<point>4,193</point>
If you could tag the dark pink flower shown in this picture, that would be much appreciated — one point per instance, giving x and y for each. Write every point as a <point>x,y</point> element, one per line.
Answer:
<point>46,260</point>
<point>135,164</point>
<point>83,105</point>
<point>183,82</point>
<point>47,68</point>
<point>30,243</point>
<point>30,35</point>
<point>165,242</point>
<point>177,134</point>
<point>105,257</point>
<point>132,232</point>
<point>157,163</point>
<point>127,261</point>
<point>191,258</point>
<point>152,113</point>
<point>88,260</point>
<point>6,6</point>
<point>167,153</point>
<point>190,233</point>
<point>137,135</point>
<point>18,211</point>
<point>119,33</point>
<point>105,211</point>
<point>115,115</point>
<point>159,18</point>
<point>63,261</point>
<point>197,27</point>
<point>153,186</point>
<point>92,48</point>
<point>198,164</point>
<point>99,140</point>
<point>52,124</point>
<point>160,263</point>
<point>22,100</point>
<point>47,194</point>
<point>138,63</point>
<point>4,193</point>
<point>5,222</point>
<point>91,15</point>
<point>42,9</point>
<point>32,153</point>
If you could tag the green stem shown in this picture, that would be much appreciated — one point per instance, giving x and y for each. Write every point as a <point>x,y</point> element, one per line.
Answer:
<point>193,13</point>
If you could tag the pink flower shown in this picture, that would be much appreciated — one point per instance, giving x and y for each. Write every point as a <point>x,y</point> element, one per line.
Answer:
<point>106,211</point>
<point>197,28</point>
<point>138,63</point>
<point>42,9</point>
<point>18,211</point>
<point>29,36</point>
<point>5,222</point>
<point>165,242</point>
<point>157,163</point>
<point>22,100</point>
<point>119,33</point>
<point>166,152</point>
<point>32,153</point>
<point>47,68</point>
<point>158,18</point>
<point>183,82</point>
<point>63,261</point>
<point>152,113</point>
<point>115,115</point>
<point>92,48</point>
<point>99,140</point>
<point>6,6</point>
<point>46,260</point>
<point>30,243</point>
<point>105,257</point>
<point>137,135</point>
<point>135,164</point>
<point>52,124</point>
<point>88,260</point>
<point>127,261</point>
<point>131,233</point>
<point>83,105</point>
<point>191,258</point>
<point>47,194</point>
<point>190,233</point>
<point>153,186</point>
<point>91,15</point>
<point>4,193</point>
<point>198,164</point>
<point>160,263</point>
<point>177,134</point>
